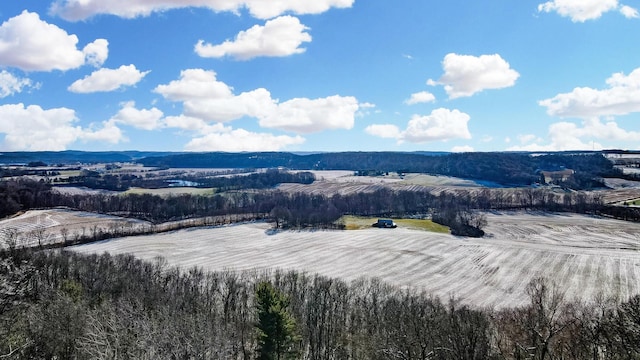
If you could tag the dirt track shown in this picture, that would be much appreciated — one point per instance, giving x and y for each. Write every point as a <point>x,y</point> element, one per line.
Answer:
<point>584,255</point>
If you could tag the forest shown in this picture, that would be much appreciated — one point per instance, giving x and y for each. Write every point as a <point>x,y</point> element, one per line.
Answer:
<point>62,305</point>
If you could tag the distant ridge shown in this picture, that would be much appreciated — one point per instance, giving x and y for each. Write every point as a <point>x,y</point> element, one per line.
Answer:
<point>505,168</point>
<point>75,156</point>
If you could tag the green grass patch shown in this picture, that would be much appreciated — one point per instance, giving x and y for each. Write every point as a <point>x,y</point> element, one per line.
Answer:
<point>356,222</point>
<point>361,222</point>
<point>422,224</point>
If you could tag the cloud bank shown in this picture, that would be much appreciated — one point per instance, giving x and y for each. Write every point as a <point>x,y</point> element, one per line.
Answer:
<point>203,96</point>
<point>209,104</point>
<point>74,10</point>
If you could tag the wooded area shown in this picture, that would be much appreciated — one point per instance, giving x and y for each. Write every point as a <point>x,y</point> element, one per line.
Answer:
<point>257,180</point>
<point>69,306</point>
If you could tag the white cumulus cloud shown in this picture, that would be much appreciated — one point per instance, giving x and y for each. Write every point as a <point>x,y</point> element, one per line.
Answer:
<point>420,98</point>
<point>192,124</point>
<point>620,98</point>
<point>11,84</point>
<point>208,104</point>
<point>33,128</point>
<point>255,103</point>
<point>279,37</point>
<point>220,137</point>
<point>195,84</point>
<point>109,132</point>
<point>75,10</point>
<point>30,44</point>
<point>582,10</point>
<point>97,52</point>
<point>441,125</point>
<point>465,75</point>
<point>204,96</point>
<point>103,80</point>
<point>269,9</point>
<point>146,119</point>
<point>589,135</point>
<point>303,115</point>
<point>629,12</point>
<point>242,140</point>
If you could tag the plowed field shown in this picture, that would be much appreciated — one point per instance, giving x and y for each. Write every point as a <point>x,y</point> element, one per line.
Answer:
<point>583,255</point>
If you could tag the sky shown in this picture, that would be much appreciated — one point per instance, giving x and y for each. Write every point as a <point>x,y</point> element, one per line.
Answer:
<point>319,75</point>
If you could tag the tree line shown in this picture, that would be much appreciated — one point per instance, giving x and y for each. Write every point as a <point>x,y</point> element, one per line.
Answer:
<point>63,305</point>
<point>300,210</point>
<point>122,182</point>
<point>6,172</point>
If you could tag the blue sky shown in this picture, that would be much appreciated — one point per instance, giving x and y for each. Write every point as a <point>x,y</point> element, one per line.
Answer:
<point>321,75</point>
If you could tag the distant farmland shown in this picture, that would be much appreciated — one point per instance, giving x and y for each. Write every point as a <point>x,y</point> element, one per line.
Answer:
<point>585,256</point>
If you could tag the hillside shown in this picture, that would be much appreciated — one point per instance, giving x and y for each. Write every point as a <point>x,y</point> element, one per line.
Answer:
<point>503,168</point>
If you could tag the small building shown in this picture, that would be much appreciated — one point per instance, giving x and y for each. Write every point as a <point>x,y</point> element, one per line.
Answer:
<point>385,224</point>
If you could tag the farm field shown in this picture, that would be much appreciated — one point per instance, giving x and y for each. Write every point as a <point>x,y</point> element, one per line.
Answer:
<point>619,196</point>
<point>583,255</point>
<point>344,182</point>
<point>81,190</point>
<point>178,190</point>
<point>343,176</point>
<point>54,220</point>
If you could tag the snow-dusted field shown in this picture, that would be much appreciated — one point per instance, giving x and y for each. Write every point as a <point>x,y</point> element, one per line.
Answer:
<point>583,255</point>
<point>81,190</point>
<point>329,183</point>
<point>52,221</point>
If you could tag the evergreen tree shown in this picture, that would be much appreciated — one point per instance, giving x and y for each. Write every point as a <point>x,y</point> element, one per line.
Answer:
<point>276,327</point>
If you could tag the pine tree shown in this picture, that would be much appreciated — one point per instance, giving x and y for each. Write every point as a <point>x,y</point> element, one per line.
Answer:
<point>276,327</point>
